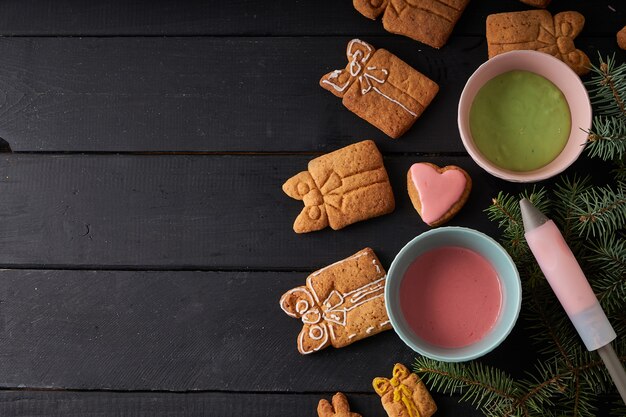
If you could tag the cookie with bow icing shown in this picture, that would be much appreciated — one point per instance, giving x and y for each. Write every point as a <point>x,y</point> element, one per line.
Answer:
<point>340,304</point>
<point>539,31</point>
<point>339,407</point>
<point>427,21</point>
<point>381,88</point>
<point>437,193</point>
<point>341,188</point>
<point>404,395</point>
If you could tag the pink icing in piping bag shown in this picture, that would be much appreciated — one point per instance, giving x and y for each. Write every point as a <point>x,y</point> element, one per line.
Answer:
<point>571,287</point>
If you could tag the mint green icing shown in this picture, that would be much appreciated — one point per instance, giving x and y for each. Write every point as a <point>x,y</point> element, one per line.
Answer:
<point>520,121</point>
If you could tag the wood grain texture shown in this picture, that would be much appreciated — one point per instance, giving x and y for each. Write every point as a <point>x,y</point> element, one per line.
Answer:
<point>162,273</point>
<point>214,94</point>
<point>180,331</point>
<point>250,17</point>
<point>152,94</point>
<point>215,404</point>
<point>203,211</point>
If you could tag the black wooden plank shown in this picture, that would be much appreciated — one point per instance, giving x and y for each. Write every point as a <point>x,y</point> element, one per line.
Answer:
<point>201,211</point>
<point>215,404</point>
<point>213,94</point>
<point>150,94</point>
<point>181,331</point>
<point>249,17</point>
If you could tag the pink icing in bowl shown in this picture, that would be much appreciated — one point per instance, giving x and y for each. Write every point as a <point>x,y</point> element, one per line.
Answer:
<point>509,295</point>
<point>560,75</point>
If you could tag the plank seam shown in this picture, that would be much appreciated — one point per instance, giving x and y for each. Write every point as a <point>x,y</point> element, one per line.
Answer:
<point>114,391</point>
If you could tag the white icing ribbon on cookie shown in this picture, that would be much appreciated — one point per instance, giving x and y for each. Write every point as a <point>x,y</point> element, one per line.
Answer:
<point>302,305</point>
<point>332,311</point>
<point>356,59</point>
<point>316,332</point>
<point>358,53</point>
<point>335,75</point>
<point>366,79</point>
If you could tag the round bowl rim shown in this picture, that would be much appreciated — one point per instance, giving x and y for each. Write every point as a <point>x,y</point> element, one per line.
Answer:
<point>540,173</point>
<point>507,326</point>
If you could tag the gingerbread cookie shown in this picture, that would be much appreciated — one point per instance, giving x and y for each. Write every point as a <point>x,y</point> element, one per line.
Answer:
<point>340,304</point>
<point>621,38</point>
<point>404,395</point>
<point>341,188</point>
<point>437,193</point>
<point>339,407</point>
<point>542,4</point>
<point>539,31</point>
<point>426,21</point>
<point>381,88</point>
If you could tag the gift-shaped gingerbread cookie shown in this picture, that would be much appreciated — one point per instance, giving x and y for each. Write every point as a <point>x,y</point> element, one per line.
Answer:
<point>341,188</point>
<point>381,88</point>
<point>427,21</point>
<point>404,395</point>
<point>539,31</point>
<point>340,304</point>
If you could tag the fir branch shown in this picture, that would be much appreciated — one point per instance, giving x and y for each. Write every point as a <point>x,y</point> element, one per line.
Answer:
<point>566,191</point>
<point>506,212</point>
<point>555,387</point>
<point>540,388</point>
<point>554,334</point>
<point>600,211</point>
<point>607,139</point>
<point>486,388</point>
<point>607,88</point>
<point>608,257</point>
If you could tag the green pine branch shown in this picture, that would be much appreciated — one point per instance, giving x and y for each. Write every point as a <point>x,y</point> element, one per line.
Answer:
<point>607,139</point>
<point>599,211</point>
<point>506,212</point>
<point>607,90</point>
<point>608,256</point>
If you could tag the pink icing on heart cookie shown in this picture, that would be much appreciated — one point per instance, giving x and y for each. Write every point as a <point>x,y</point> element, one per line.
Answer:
<point>437,193</point>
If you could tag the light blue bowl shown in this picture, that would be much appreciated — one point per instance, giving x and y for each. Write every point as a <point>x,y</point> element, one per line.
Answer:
<point>479,243</point>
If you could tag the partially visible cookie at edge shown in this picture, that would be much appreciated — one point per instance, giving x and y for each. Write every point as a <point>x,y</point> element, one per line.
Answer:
<point>621,38</point>
<point>428,21</point>
<point>339,407</point>
<point>438,193</point>
<point>540,31</point>
<point>542,4</point>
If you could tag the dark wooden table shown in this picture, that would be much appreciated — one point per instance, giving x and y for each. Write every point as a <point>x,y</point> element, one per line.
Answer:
<point>145,240</point>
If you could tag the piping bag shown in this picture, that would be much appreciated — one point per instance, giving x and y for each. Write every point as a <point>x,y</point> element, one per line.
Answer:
<point>558,264</point>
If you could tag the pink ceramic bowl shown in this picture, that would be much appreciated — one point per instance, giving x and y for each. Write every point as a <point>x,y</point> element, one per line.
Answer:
<point>554,70</point>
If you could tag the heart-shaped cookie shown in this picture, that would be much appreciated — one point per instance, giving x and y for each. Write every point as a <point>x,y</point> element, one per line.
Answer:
<point>437,193</point>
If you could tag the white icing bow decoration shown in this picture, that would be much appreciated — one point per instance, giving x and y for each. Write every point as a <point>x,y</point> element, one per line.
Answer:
<point>320,319</point>
<point>371,78</point>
